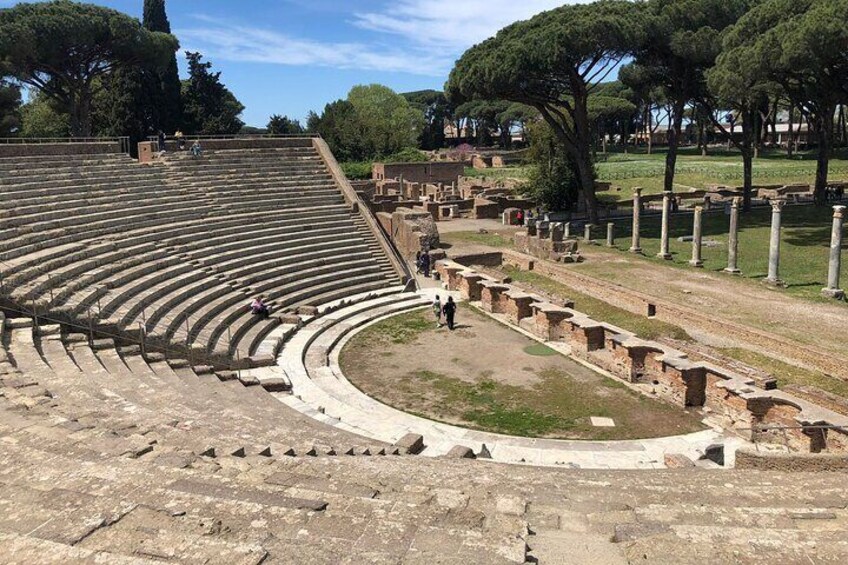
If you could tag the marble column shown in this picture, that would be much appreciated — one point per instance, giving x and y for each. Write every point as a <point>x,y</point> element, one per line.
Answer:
<point>587,233</point>
<point>635,246</point>
<point>610,234</point>
<point>566,230</point>
<point>696,260</point>
<point>666,212</point>
<point>733,239</point>
<point>833,290</point>
<point>774,244</point>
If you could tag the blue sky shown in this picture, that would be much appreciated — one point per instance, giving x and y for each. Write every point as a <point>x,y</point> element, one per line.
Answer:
<point>292,56</point>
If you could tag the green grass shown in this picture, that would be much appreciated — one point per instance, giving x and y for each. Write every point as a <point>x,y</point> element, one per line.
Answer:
<point>503,173</point>
<point>599,310</point>
<point>489,239</point>
<point>405,328</point>
<point>628,170</point>
<point>556,406</point>
<point>804,249</point>
<point>539,350</point>
<point>787,374</point>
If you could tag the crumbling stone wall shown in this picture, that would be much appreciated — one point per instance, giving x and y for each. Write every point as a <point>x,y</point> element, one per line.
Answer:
<point>734,399</point>
<point>411,231</point>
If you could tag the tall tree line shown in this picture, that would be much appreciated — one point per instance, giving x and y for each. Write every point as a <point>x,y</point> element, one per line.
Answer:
<point>108,73</point>
<point>718,64</point>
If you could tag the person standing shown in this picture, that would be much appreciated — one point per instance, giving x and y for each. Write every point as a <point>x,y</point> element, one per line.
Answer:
<point>449,310</point>
<point>437,311</point>
<point>425,264</point>
<point>161,141</point>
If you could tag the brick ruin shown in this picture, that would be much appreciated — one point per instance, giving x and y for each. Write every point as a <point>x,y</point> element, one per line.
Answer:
<point>733,401</point>
<point>438,188</point>
<point>547,240</point>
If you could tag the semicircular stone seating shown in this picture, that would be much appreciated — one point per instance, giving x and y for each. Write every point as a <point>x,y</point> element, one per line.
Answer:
<point>113,453</point>
<point>113,456</point>
<point>174,251</point>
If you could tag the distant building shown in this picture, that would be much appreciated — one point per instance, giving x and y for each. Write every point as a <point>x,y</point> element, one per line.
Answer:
<point>428,172</point>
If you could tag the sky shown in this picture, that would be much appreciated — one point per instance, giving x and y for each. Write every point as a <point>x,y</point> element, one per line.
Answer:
<point>291,56</point>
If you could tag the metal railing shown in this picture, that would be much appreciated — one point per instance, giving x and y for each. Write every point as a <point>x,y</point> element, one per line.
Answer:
<point>122,141</point>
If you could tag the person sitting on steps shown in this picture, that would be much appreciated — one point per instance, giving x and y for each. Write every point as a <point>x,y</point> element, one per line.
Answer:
<point>196,150</point>
<point>259,308</point>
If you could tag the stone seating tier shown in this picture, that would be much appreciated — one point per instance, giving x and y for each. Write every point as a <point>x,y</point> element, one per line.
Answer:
<point>111,456</point>
<point>105,244</point>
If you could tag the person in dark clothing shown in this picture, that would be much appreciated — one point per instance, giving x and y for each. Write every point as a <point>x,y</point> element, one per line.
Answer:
<point>425,264</point>
<point>449,310</point>
<point>161,141</point>
<point>418,262</point>
<point>259,308</point>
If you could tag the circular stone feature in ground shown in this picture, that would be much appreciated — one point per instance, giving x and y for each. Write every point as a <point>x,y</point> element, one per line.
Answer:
<point>489,377</point>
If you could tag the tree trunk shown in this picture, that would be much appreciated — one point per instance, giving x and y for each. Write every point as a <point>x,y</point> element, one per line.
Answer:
<point>673,144</point>
<point>748,148</point>
<point>824,132</point>
<point>80,118</point>
<point>791,135</point>
<point>649,131</point>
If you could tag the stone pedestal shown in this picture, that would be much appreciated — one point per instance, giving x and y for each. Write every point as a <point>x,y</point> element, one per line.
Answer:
<point>145,152</point>
<point>773,277</point>
<point>666,212</point>
<point>696,239</point>
<point>833,290</point>
<point>566,230</point>
<point>635,246</point>
<point>587,233</point>
<point>610,234</point>
<point>733,239</point>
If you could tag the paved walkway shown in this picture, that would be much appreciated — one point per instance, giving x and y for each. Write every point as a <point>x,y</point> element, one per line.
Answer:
<point>321,390</point>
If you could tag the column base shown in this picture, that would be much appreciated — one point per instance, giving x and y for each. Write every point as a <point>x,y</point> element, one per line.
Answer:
<point>732,271</point>
<point>636,250</point>
<point>666,256</point>
<point>774,282</point>
<point>610,244</point>
<point>694,263</point>
<point>835,293</point>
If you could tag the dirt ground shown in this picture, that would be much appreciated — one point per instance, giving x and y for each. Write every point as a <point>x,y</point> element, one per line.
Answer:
<point>820,324</point>
<point>482,376</point>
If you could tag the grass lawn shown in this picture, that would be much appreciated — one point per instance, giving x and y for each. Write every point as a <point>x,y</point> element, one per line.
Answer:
<point>489,239</point>
<point>599,310</point>
<point>789,374</point>
<point>628,170</point>
<point>488,377</point>
<point>804,250</point>
<point>694,171</point>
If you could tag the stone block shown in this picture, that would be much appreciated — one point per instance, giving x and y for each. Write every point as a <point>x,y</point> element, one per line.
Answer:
<point>677,461</point>
<point>460,452</point>
<point>412,443</point>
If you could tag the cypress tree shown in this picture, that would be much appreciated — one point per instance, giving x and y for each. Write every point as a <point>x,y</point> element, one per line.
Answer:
<point>166,88</point>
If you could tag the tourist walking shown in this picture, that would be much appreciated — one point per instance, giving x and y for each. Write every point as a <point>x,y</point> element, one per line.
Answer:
<point>425,264</point>
<point>437,311</point>
<point>449,310</point>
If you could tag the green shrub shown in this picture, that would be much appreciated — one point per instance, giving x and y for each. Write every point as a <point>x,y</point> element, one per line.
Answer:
<point>357,170</point>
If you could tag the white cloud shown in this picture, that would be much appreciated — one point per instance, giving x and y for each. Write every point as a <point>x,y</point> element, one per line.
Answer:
<point>427,36</point>
<point>219,40</point>
<point>451,24</point>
